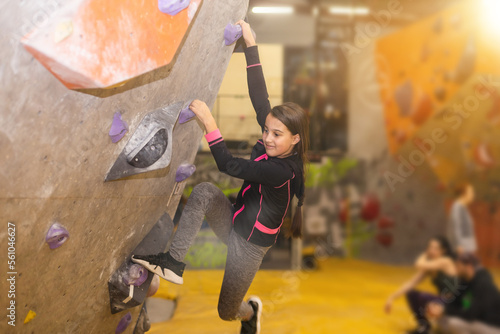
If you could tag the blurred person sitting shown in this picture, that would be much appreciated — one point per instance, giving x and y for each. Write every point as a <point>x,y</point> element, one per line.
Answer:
<point>478,309</point>
<point>437,263</point>
<point>460,224</point>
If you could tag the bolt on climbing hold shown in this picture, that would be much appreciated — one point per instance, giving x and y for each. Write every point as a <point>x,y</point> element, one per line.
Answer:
<point>232,33</point>
<point>186,114</point>
<point>30,316</point>
<point>150,147</point>
<point>184,171</point>
<point>135,276</point>
<point>123,324</point>
<point>63,30</point>
<point>118,128</point>
<point>56,236</point>
<point>172,7</point>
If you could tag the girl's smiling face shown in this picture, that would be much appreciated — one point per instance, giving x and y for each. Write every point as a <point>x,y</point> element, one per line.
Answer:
<point>278,140</point>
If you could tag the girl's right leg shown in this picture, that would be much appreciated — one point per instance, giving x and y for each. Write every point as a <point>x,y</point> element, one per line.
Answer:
<point>208,201</point>
<point>205,200</point>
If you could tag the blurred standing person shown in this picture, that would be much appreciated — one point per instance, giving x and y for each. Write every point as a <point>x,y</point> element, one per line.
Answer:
<point>437,263</point>
<point>460,224</point>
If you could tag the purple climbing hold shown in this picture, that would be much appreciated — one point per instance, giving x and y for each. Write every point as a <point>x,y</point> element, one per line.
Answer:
<point>186,114</point>
<point>123,324</point>
<point>56,236</point>
<point>136,275</point>
<point>118,128</point>
<point>184,171</point>
<point>232,33</point>
<point>172,7</point>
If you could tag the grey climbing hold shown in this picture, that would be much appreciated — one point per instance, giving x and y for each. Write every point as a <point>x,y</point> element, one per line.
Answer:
<point>143,324</point>
<point>136,275</point>
<point>56,236</point>
<point>184,171</point>
<point>404,97</point>
<point>172,7</point>
<point>118,128</point>
<point>150,147</point>
<point>151,152</point>
<point>123,324</point>
<point>232,33</point>
<point>186,114</point>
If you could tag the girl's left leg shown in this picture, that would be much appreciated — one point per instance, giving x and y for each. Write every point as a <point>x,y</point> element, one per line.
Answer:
<point>243,262</point>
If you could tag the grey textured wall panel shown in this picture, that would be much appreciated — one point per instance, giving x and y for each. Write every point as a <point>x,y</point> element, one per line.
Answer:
<point>56,152</point>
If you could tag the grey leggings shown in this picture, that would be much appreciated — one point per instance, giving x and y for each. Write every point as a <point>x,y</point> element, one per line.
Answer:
<point>243,258</point>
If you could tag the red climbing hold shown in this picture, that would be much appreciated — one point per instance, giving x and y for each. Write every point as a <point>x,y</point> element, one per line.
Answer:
<point>344,211</point>
<point>385,222</point>
<point>370,207</point>
<point>385,239</point>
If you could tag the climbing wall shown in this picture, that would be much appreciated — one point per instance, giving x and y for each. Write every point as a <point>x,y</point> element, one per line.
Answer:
<point>57,153</point>
<point>421,68</point>
<point>436,109</point>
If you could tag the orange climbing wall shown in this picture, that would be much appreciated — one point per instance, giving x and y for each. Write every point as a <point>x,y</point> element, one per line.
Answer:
<point>427,54</point>
<point>103,43</point>
<point>427,73</point>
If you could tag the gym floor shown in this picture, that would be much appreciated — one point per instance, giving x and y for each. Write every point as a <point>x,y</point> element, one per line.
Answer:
<point>343,296</point>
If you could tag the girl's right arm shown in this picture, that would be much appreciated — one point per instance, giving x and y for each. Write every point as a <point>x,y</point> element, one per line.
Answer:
<point>255,77</point>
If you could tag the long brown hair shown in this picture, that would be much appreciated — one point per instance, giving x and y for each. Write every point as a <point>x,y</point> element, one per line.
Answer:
<point>296,120</point>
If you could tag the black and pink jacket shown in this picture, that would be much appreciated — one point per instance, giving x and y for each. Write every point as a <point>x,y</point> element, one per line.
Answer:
<point>269,183</point>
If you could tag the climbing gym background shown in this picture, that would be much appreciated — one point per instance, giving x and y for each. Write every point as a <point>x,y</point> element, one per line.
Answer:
<point>100,153</point>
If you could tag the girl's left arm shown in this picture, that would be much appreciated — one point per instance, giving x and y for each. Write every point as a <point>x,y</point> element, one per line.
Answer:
<point>265,172</point>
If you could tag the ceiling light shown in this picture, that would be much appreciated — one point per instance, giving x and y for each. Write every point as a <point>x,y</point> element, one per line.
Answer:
<point>273,10</point>
<point>345,10</point>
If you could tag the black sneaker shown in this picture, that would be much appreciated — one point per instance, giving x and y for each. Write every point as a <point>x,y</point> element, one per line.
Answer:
<point>252,326</point>
<point>162,264</point>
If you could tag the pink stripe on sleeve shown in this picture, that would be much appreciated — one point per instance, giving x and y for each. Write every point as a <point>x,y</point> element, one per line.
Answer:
<point>213,135</point>
<point>254,65</point>
<point>218,141</point>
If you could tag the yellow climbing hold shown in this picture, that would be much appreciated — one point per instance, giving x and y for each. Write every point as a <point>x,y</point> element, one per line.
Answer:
<point>29,316</point>
<point>63,30</point>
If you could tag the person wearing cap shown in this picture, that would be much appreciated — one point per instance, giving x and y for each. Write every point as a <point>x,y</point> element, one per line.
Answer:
<point>477,308</point>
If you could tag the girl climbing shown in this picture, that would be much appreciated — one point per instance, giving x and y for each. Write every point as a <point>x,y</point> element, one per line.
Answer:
<point>249,227</point>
